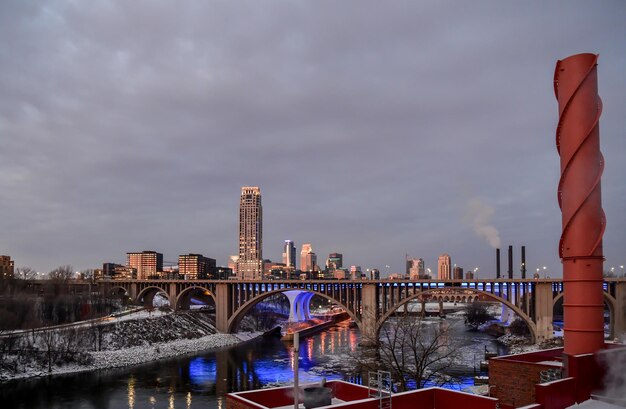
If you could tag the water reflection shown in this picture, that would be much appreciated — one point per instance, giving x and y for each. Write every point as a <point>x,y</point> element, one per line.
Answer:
<point>131,392</point>
<point>201,381</point>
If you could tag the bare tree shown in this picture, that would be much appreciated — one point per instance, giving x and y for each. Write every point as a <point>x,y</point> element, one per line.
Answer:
<point>25,273</point>
<point>62,273</point>
<point>49,340</point>
<point>477,314</point>
<point>416,352</point>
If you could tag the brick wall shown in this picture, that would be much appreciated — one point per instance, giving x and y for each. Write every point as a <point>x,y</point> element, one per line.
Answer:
<point>513,383</point>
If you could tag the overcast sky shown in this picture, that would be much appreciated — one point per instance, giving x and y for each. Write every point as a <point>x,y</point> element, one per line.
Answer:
<point>374,129</point>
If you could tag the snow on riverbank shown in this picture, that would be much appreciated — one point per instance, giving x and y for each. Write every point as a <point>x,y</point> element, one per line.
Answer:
<point>138,355</point>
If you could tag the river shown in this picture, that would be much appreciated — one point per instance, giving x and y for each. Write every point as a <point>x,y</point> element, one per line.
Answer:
<point>202,380</point>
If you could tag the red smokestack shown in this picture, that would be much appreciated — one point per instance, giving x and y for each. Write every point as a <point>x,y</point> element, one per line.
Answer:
<point>580,247</point>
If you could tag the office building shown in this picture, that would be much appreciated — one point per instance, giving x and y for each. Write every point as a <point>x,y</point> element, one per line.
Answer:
<point>7,268</point>
<point>355,272</point>
<point>224,273</point>
<point>250,263</point>
<point>458,273</point>
<point>308,259</point>
<point>415,268</point>
<point>118,272</point>
<point>374,274</point>
<point>232,263</point>
<point>289,254</point>
<point>148,264</point>
<point>196,266</point>
<point>444,267</point>
<point>334,261</point>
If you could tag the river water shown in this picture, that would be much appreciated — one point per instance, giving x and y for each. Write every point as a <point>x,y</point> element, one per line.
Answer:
<point>202,380</point>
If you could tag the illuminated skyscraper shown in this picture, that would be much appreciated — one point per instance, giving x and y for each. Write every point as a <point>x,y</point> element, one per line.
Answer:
<point>250,263</point>
<point>443,267</point>
<point>289,254</point>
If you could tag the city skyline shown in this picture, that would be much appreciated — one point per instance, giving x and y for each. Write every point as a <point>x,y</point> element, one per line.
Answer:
<point>412,130</point>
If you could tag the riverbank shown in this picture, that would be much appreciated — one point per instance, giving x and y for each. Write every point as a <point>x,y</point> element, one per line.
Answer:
<point>128,343</point>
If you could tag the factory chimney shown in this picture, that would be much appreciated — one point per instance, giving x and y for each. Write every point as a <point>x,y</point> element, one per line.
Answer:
<point>510,262</point>
<point>523,262</point>
<point>497,263</point>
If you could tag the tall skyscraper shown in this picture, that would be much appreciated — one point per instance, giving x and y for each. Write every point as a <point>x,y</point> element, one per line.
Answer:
<point>250,263</point>
<point>148,264</point>
<point>308,259</point>
<point>289,254</point>
<point>334,261</point>
<point>415,268</point>
<point>443,267</point>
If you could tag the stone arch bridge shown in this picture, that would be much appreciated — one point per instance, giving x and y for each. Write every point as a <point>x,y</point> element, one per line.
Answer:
<point>370,302</point>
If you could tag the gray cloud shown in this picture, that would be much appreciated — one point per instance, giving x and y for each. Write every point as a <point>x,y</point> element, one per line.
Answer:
<point>132,125</point>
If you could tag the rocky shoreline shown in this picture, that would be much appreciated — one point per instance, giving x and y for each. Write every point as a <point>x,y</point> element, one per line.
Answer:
<point>134,353</point>
<point>520,344</point>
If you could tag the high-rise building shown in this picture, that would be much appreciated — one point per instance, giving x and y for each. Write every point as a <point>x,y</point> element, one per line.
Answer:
<point>308,259</point>
<point>415,268</point>
<point>289,254</point>
<point>458,273</point>
<point>355,272</point>
<point>334,261</point>
<point>118,271</point>
<point>250,263</point>
<point>147,263</point>
<point>232,263</point>
<point>196,266</point>
<point>444,267</point>
<point>7,268</point>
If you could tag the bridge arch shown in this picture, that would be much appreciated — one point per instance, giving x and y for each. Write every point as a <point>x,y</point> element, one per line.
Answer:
<point>475,295</point>
<point>118,290</point>
<point>608,300</point>
<point>146,295</point>
<point>237,315</point>
<point>183,296</point>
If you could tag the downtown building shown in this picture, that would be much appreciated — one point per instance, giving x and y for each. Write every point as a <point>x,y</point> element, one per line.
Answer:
<point>7,268</point>
<point>444,268</point>
<point>147,264</point>
<point>415,269</point>
<point>289,255</point>
<point>250,262</point>
<point>196,267</point>
<point>308,259</point>
<point>334,261</point>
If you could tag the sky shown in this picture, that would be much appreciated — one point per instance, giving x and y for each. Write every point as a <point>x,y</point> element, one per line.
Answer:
<point>374,129</point>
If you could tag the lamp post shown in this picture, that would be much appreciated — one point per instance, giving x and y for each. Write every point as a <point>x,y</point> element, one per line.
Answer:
<point>622,268</point>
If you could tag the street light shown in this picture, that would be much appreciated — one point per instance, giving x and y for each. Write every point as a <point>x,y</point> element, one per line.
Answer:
<point>622,268</point>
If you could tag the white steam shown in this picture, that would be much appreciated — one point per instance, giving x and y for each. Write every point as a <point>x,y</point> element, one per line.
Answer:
<point>479,216</point>
<point>615,377</point>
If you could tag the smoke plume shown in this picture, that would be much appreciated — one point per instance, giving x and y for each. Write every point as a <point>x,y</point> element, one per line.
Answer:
<point>614,361</point>
<point>479,215</point>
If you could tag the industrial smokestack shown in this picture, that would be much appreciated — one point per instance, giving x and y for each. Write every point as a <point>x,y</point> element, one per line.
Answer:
<point>580,247</point>
<point>497,263</point>
<point>523,262</point>
<point>510,262</point>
